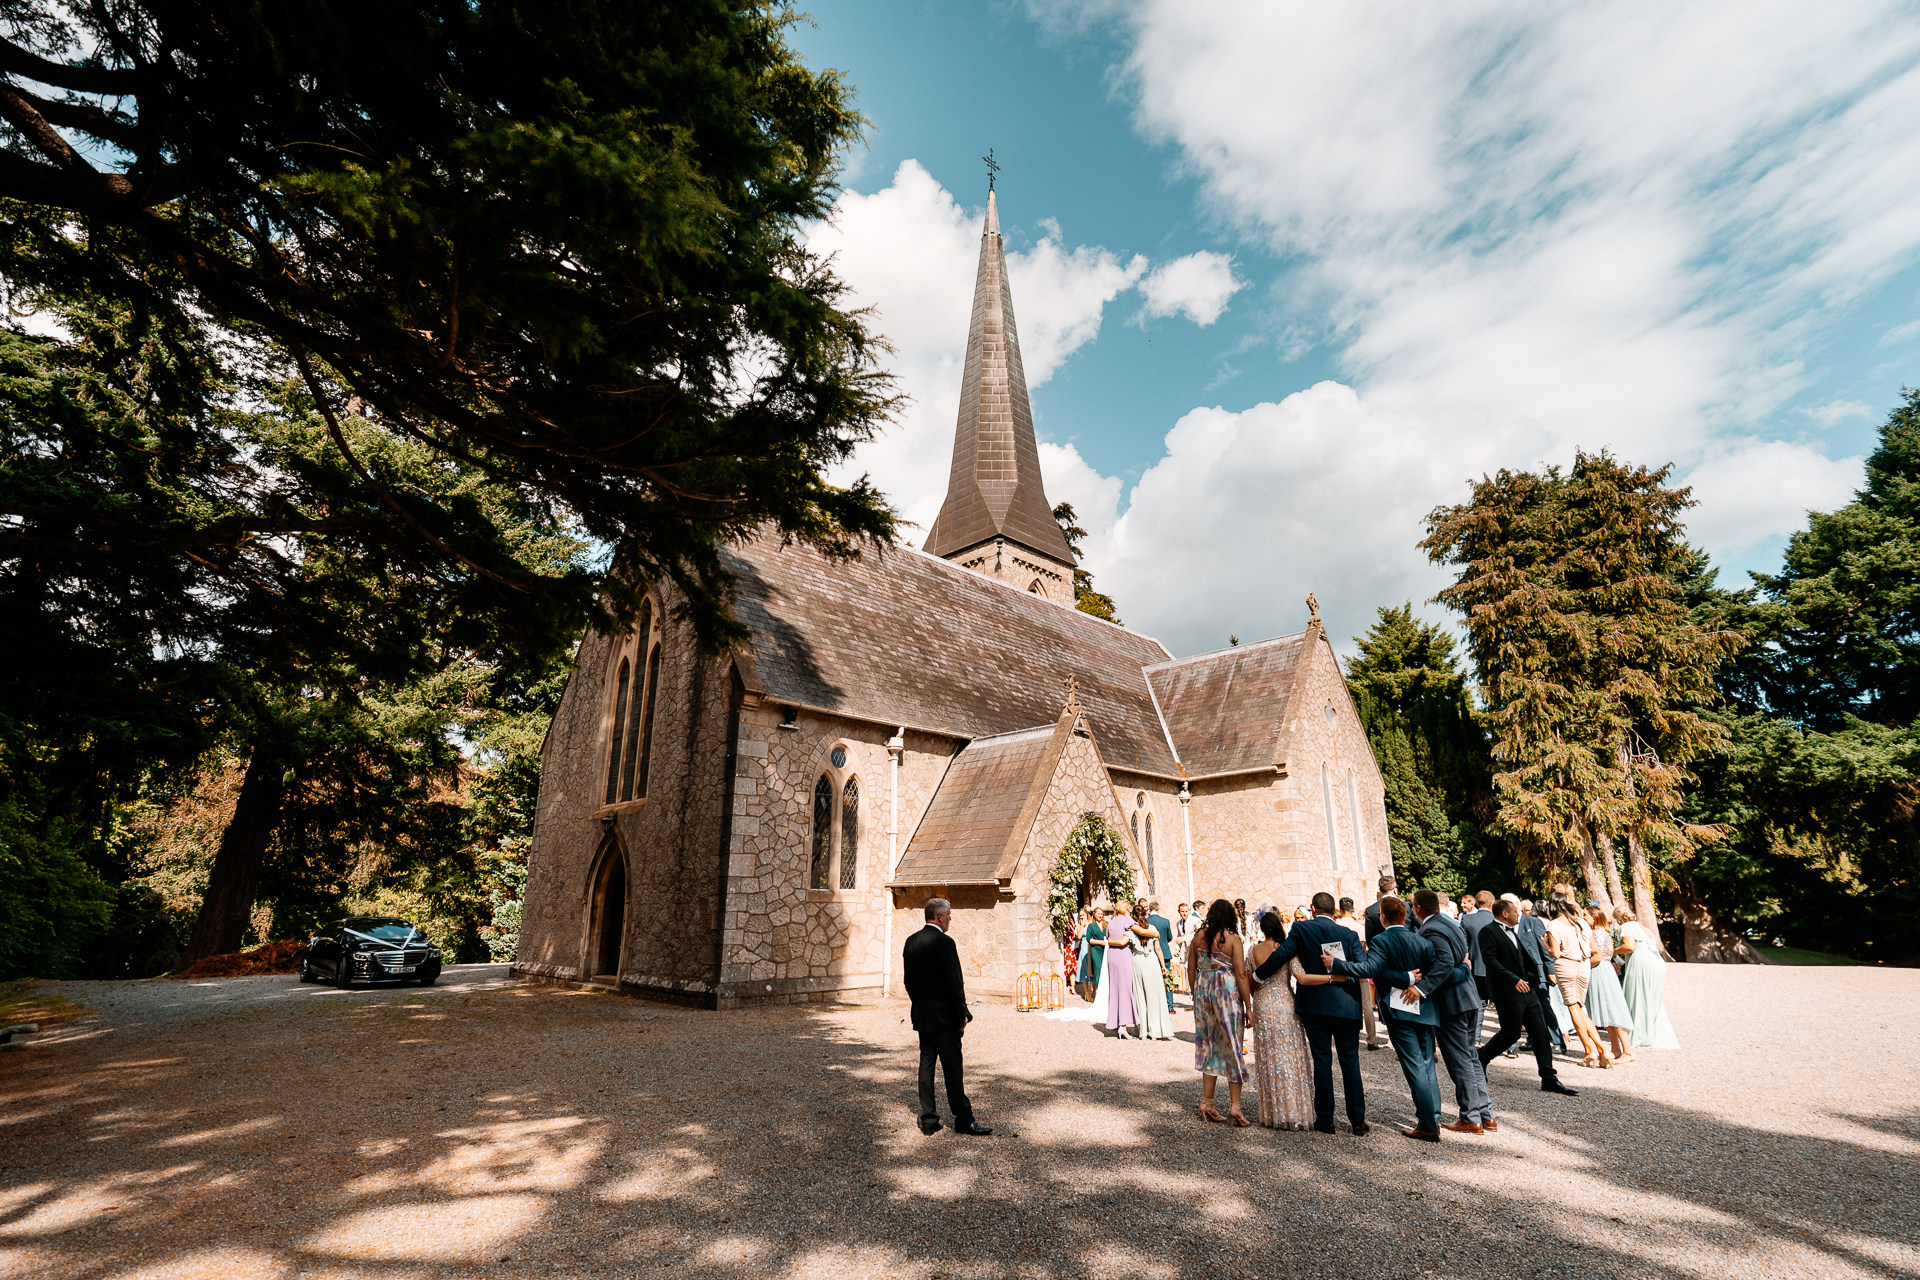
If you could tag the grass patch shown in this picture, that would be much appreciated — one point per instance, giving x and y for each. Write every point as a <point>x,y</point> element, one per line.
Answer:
<point>19,1002</point>
<point>1794,955</point>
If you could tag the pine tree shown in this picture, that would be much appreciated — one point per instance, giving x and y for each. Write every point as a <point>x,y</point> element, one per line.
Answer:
<point>1591,668</point>
<point>1085,598</point>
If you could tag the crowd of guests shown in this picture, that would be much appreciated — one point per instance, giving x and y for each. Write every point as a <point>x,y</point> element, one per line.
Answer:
<point>1419,973</point>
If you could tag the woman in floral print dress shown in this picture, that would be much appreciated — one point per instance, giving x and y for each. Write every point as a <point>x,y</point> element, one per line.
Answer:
<point>1222,1005</point>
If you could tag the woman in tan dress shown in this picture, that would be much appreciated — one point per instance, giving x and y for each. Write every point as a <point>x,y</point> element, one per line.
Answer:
<point>1282,1067</point>
<point>1571,947</point>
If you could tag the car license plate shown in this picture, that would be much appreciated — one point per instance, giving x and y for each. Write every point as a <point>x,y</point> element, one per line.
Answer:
<point>400,968</point>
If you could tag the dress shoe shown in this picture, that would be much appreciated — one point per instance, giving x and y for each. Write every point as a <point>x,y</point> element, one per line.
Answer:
<point>1554,1086</point>
<point>1491,1126</point>
<point>929,1127</point>
<point>1464,1126</point>
<point>1373,1046</point>
<point>1362,1129</point>
<point>974,1129</point>
<point>1324,1128</point>
<point>1512,1052</point>
<point>1420,1135</point>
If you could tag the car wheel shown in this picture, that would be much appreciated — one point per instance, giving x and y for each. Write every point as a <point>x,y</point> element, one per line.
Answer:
<point>306,972</point>
<point>343,976</point>
<point>430,979</point>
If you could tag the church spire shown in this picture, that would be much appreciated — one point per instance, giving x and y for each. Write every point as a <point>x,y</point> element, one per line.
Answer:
<point>996,517</point>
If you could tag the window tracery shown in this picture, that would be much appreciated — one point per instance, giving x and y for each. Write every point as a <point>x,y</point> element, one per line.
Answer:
<point>630,731</point>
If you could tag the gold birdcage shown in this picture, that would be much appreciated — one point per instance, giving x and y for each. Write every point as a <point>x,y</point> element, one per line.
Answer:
<point>1026,993</point>
<point>1056,992</point>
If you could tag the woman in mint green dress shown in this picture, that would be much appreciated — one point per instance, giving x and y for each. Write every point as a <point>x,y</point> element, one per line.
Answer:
<point>1644,985</point>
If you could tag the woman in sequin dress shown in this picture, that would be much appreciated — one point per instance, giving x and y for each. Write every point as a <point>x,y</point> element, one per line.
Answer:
<point>1217,966</point>
<point>1282,1067</point>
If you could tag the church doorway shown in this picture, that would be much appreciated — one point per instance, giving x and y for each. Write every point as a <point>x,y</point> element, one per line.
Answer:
<point>610,917</point>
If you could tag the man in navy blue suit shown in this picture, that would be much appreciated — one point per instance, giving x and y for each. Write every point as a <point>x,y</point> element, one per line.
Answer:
<point>1396,959</point>
<point>1449,985</point>
<point>1330,1014</point>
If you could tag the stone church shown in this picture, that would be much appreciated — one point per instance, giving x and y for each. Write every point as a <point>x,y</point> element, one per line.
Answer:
<point>767,826</point>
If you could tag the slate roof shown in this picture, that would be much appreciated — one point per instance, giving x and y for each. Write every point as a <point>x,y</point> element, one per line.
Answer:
<point>973,814</point>
<point>1224,710</point>
<point>902,637</point>
<point>994,489</point>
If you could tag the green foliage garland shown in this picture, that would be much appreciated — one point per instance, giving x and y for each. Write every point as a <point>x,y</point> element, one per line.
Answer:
<point>1093,839</point>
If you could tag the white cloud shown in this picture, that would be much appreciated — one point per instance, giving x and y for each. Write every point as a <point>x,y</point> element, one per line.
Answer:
<point>1898,334</point>
<point>1756,491</point>
<point>1838,411</point>
<point>1199,284</point>
<point>1525,230</point>
<point>910,251</point>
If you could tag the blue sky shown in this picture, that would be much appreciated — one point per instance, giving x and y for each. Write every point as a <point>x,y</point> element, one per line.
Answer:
<point>1287,276</point>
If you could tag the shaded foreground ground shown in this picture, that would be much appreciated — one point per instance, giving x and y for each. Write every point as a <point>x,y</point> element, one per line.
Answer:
<point>254,1128</point>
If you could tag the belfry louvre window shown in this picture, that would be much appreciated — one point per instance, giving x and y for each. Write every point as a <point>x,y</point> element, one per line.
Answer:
<point>836,831</point>
<point>630,741</point>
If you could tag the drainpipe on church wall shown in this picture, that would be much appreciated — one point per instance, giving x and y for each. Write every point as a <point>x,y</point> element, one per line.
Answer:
<point>1186,826</point>
<point>896,748</point>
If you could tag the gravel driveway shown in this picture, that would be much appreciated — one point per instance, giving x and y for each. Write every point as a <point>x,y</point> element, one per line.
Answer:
<point>250,1127</point>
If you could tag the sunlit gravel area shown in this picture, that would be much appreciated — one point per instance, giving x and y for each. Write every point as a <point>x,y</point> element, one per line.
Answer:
<point>252,1127</point>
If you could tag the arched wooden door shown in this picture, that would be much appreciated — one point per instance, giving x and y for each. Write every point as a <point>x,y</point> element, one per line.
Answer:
<point>609,929</point>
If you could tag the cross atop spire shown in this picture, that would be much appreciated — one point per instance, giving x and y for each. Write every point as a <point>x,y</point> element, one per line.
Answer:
<point>994,493</point>
<point>992,168</point>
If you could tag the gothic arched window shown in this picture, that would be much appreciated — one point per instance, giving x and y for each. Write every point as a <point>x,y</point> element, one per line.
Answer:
<point>849,832</point>
<point>619,728</point>
<point>630,741</point>
<point>1149,848</point>
<point>1333,832</point>
<point>1033,588</point>
<point>822,833</point>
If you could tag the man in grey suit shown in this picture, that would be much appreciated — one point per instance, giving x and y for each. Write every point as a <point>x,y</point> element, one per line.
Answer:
<point>1457,1001</point>
<point>1476,913</point>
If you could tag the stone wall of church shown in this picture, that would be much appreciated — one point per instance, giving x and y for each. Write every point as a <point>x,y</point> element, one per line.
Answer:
<point>671,841</point>
<point>1141,798</point>
<point>1265,838</point>
<point>1017,565</point>
<point>785,942</point>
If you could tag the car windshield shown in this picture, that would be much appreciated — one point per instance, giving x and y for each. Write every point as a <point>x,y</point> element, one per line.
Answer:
<point>385,930</point>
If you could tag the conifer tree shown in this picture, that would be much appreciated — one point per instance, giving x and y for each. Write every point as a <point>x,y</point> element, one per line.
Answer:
<point>1085,598</point>
<point>1592,670</point>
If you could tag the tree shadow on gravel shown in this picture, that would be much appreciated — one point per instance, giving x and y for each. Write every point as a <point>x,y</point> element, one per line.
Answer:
<point>536,1132</point>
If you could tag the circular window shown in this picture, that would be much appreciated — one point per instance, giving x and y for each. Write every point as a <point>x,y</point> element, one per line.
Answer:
<point>839,757</point>
<point>1141,801</point>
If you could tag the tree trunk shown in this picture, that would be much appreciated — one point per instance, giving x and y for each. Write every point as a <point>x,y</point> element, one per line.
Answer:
<point>1708,942</point>
<point>1590,865</point>
<point>1642,877</point>
<point>228,906</point>
<point>1610,863</point>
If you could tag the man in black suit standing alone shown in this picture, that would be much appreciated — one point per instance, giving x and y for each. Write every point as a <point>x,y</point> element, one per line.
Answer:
<point>939,993</point>
<point>1516,983</point>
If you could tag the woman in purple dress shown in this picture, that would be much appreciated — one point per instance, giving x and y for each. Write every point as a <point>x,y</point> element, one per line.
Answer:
<point>1118,978</point>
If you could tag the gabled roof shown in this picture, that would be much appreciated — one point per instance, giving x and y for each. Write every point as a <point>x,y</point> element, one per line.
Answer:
<point>994,489</point>
<point>975,815</point>
<point>1225,710</point>
<point>901,637</point>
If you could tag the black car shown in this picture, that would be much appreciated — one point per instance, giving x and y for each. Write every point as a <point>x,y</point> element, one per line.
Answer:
<point>371,949</point>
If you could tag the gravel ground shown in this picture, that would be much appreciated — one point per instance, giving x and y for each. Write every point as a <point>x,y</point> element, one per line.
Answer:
<point>250,1127</point>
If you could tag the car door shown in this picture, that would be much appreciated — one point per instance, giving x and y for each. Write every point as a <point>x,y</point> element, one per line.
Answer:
<point>328,948</point>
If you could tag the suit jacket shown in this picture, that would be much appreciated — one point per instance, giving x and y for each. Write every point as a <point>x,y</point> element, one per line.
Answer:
<point>1163,927</point>
<point>1373,927</point>
<point>1450,987</point>
<point>1507,964</point>
<point>1395,952</point>
<point>1336,999</point>
<point>931,967</point>
<point>1533,941</point>
<point>1473,922</point>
